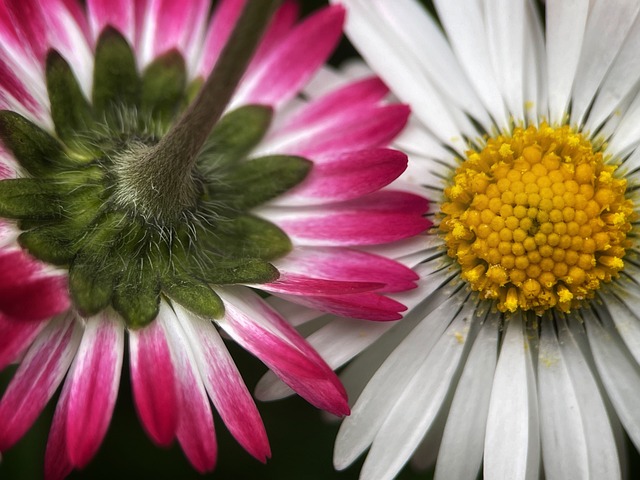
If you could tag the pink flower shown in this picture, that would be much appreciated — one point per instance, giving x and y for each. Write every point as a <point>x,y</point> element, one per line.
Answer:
<point>318,223</point>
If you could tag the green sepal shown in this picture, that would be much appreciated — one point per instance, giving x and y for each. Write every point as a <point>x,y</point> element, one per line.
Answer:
<point>37,152</point>
<point>236,134</point>
<point>28,198</point>
<point>94,271</point>
<point>50,243</point>
<point>70,109</point>
<point>137,295</point>
<point>192,90</point>
<point>247,236</point>
<point>194,295</point>
<point>91,285</point>
<point>264,178</point>
<point>163,85</point>
<point>252,270</point>
<point>116,82</point>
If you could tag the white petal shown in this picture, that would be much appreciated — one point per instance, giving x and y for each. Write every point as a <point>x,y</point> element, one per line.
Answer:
<point>464,25</point>
<point>565,26</point>
<point>564,446</point>
<point>627,133</point>
<point>390,380</point>
<point>512,443</point>
<point>504,20</point>
<point>625,312</point>
<point>535,79</point>
<point>606,21</point>
<point>460,455</point>
<point>421,399</point>
<point>618,370</point>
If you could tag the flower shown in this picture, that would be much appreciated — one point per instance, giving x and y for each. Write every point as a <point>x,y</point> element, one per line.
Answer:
<point>125,218</point>
<point>521,347</point>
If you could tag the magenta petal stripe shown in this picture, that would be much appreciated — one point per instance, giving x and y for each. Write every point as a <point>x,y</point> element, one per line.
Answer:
<point>195,430</point>
<point>93,386</point>
<point>281,23</point>
<point>348,265</point>
<point>153,382</point>
<point>260,330</point>
<point>371,306</point>
<point>16,337</point>
<point>346,176</point>
<point>119,14</point>
<point>297,57</point>
<point>37,378</point>
<point>225,386</point>
<point>338,104</point>
<point>57,464</point>
<point>307,285</point>
<point>224,18</point>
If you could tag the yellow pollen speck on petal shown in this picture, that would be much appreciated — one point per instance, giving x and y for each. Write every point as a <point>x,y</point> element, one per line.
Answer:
<point>536,220</point>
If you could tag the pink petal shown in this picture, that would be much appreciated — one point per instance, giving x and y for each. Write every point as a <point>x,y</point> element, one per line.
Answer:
<point>119,14</point>
<point>260,330</point>
<point>367,127</point>
<point>289,66</point>
<point>336,105</point>
<point>225,386</point>
<point>368,306</point>
<point>195,431</point>
<point>347,176</point>
<point>57,464</point>
<point>224,19</point>
<point>281,24</point>
<point>347,265</point>
<point>93,387</point>
<point>26,292</point>
<point>37,378</point>
<point>16,337</point>
<point>352,228</point>
<point>306,285</point>
<point>153,382</point>
<point>169,24</point>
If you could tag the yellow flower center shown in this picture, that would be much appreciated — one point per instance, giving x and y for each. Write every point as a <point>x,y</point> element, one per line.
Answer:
<point>537,220</point>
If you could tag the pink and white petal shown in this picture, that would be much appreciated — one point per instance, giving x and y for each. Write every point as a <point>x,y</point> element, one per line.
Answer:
<point>295,315</point>
<point>347,265</point>
<point>224,384</point>
<point>57,464</point>
<point>295,284</point>
<point>153,382</point>
<point>119,14</point>
<point>195,430</point>
<point>16,336</point>
<point>289,66</point>
<point>281,24</point>
<point>27,292</point>
<point>349,228</point>
<point>336,104</point>
<point>224,19</point>
<point>167,24</point>
<point>346,176</point>
<point>93,386</point>
<point>260,330</point>
<point>368,127</point>
<point>37,378</point>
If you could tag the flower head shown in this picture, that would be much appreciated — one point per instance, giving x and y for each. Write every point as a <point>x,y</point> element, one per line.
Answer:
<point>128,215</point>
<point>520,349</point>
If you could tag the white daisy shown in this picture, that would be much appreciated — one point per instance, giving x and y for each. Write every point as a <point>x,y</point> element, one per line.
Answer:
<point>521,351</point>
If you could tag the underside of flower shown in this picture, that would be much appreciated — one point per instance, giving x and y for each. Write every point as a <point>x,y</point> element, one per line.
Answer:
<point>97,200</point>
<point>537,219</point>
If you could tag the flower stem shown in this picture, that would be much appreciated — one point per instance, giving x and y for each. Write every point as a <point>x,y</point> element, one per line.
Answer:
<point>163,174</point>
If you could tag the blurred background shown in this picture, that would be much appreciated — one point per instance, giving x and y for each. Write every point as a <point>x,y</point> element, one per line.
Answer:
<point>301,438</point>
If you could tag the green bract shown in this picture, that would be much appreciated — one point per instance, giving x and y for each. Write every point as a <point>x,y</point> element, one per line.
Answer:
<point>73,212</point>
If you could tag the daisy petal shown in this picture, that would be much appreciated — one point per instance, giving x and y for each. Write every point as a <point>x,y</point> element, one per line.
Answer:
<point>224,384</point>
<point>93,387</point>
<point>224,19</point>
<point>195,430</point>
<point>296,58</point>
<point>37,378</point>
<point>256,327</point>
<point>16,337</point>
<point>153,382</point>
<point>460,454</point>
<point>512,443</point>
<point>119,14</point>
